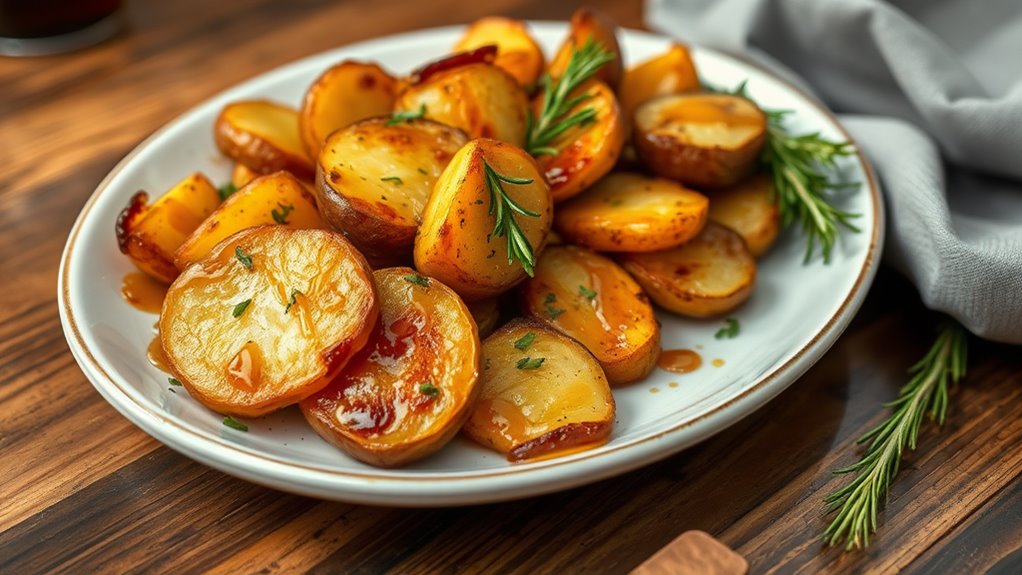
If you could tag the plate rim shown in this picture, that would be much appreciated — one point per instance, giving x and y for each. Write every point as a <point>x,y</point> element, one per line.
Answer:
<point>376,487</point>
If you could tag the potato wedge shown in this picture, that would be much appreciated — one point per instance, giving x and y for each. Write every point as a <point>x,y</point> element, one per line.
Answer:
<point>703,140</point>
<point>710,275</point>
<point>249,338</point>
<point>150,235</point>
<point>518,53</point>
<point>486,313</point>
<point>672,72</point>
<point>274,199</point>
<point>263,135</point>
<point>543,394</point>
<point>407,393</point>
<point>588,23</point>
<point>749,209</point>
<point>481,99</point>
<point>344,94</point>
<point>456,242</point>
<point>593,300</point>
<point>587,152</point>
<point>241,175</point>
<point>373,181</point>
<point>629,212</point>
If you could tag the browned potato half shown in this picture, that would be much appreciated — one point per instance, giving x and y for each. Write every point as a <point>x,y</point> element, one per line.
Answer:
<point>241,175</point>
<point>263,135</point>
<point>710,275</point>
<point>407,393</point>
<point>517,51</point>
<point>456,242</point>
<point>587,152</point>
<point>486,313</point>
<point>481,99</point>
<point>669,73</point>
<point>150,235</point>
<point>344,94</point>
<point>543,395</point>
<point>588,23</point>
<point>593,300</point>
<point>704,140</point>
<point>274,199</point>
<point>628,212</point>
<point>749,209</point>
<point>373,180</point>
<point>267,319</point>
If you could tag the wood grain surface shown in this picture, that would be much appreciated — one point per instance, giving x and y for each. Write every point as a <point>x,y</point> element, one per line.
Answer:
<point>84,491</point>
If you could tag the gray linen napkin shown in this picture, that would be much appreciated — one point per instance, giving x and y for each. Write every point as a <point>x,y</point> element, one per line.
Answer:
<point>932,92</point>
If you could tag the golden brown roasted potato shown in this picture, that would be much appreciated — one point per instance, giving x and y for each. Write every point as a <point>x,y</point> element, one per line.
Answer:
<point>710,275</point>
<point>407,393</point>
<point>479,98</point>
<point>704,140</point>
<point>486,313</point>
<point>373,179</point>
<point>274,199</point>
<point>543,394</point>
<point>517,51</point>
<point>456,242</point>
<point>150,235</point>
<point>628,212</point>
<point>585,153</point>
<point>263,135</point>
<point>669,73</point>
<point>592,299</point>
<point>241,175</point>
<point>344,94</point>
<point>588,23</point>
<point>749,209</point>
<point>267,319</point>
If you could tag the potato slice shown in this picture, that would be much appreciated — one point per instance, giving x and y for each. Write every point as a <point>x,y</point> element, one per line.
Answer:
<point>710,275</point>
<point>749,209</point>
<point>150,235</point>
<point>241,175</point>
<point>517,51</point>
<point>274,199</point>
<point>593,300</point>
<point>543,394</point>
<point>411,388</point>
<point>344,94</point>
<point>704,140</point>
<point>589,23</point>
<point>456,242</point>
<point>486,313</point>
<point>626,212</point>
<point>267,319</point>
<point>373,181</point>
<point>585,153</point>
<point>479,98</point>
<point>672,72</point>
<point>263,135</point>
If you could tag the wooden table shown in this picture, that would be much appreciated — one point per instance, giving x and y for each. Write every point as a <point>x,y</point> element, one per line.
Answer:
<point>84,491</point>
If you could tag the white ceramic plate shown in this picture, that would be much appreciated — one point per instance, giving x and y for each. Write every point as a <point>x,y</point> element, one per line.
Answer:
<point>794,316</point>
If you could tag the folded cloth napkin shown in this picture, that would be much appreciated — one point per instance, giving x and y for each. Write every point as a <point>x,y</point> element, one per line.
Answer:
<point>932,93</point>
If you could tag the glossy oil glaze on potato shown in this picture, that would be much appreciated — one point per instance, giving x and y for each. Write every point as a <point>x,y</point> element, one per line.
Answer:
<point>264,136</point>
<point>410,389</point>
<point>543,394</point>
<point>672,72</point>
<point>590,24</point>
<point>517,51</point>
<point>750,209</point>
<point>267,319</point>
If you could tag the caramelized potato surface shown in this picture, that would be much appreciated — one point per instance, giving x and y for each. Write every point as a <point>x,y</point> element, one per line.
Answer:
<point>249,338</point>
<point>749,209</point>
<point>627,212</point>
<point>344,94</point>
<point>517,51</point>
<point>710,275</point>
<point>593,300</point>
<point>543,394</point>
<point>590,24</point>
<point>407,393</point>
<point>264,136</point>
<point>672,72</point>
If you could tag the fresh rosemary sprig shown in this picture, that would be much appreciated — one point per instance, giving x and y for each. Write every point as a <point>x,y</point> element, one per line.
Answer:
<point>927,392</point>
<point>503,208</point>
<point>553,118</point>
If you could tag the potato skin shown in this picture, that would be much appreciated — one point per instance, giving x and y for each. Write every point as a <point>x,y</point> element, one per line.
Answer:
<point>264,136</point>
<point>710,275</point>
<point>273,353</point>
<point>481,99</point>
<point>616,324</point>
<point>630,212</point>
<point>455,242</point>
<point>702,140</point>
<point>749,209</point>
<point>357,194</point>
<point>517,51</point>
<point>589,23</point>
<point>486,313</point>
<point>672,72</point>
<point>376,409</point>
